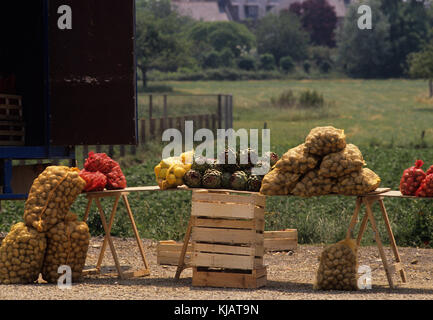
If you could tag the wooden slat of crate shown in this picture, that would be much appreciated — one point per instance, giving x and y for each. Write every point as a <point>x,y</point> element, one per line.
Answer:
<point>168,253</point>
<point>11,133</point>
<point>9,109</point>
<point>256,251</point>
<point>215,260</point>
<point>230,236</point>
<point>203,277</point>
<point>284,240</point>
<point>257,200</point>
<point>222,210</point>
<point>253,224</point>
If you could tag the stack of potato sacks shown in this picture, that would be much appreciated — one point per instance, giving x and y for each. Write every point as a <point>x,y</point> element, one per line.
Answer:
<point>324,164</point>
<point>50,236</point>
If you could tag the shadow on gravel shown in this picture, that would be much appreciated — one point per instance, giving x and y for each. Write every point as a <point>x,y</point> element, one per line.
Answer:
<point>280,286</point>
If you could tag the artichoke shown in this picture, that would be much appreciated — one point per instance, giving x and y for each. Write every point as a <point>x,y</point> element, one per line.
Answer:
<point>201,164</point>
<point>212,179</point>
<point>254,183</point>
<point>192,178</point>
<point>247,158</point>
<point>225,180</point>
<point>238,180</point>
<point>228,161</point>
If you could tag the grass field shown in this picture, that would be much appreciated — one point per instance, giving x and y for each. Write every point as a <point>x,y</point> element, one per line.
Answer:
<point>385,118</point>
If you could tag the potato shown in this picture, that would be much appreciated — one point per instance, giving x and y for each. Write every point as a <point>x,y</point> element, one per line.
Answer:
<point>297,160</point>
<point>325,140</point>
<point>333,272</point>
<point>279,182</point>
<point>358,183</point>
<point>48,201</point>
<point>22,253</point>
<point>342,163</point>
<point>67,244</point>
<point>312,184</point>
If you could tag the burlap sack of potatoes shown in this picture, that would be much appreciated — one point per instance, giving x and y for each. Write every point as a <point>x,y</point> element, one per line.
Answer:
<point>338,267</point>
<point>342,163</point>
<point>67,244</point>
<point>279,182</point>
<point>21,255</point>
<point>297,160</point>
<point>51,196</point>
<point>357,183</point>
<point>325,140</point>
<point>312,184</point>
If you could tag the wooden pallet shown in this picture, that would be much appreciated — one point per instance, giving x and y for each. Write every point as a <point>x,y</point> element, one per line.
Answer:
<point>11,107</point>
<point>226,278</point>
<point>12,133</point>
<point>168,253</point>
<point>285,240</point>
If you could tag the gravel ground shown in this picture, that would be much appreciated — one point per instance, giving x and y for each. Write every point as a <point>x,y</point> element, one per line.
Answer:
<point>290,276</point>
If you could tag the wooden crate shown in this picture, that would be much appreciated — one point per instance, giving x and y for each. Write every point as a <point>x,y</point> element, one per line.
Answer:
<point>285,240</point>
<point>168,253</point>
<point>226,278</point>
<point>11,107</point>
<point>12,133</point>
<point>227,234</point>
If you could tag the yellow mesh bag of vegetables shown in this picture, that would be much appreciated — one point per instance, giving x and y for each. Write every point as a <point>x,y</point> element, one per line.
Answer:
<point>51,196</point>
<point>169,172</point>
<point>279,182</point>
<point>67,244</point>
<point>21,255</point>
<point>357,183</point>
<point>313,184</point>
<point>297,160</point>
<point>325,140</point>
<point>338,267</point>
<point>342,163</point>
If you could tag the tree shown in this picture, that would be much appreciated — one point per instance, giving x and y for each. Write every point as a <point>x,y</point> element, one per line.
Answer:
<point>363,52</point>
<point>282,35</point>
<point>409,25</point>
<point>421,65</point>
<point>318,17</point>
<point>222,34</point>
<point>160,38</point>
<point>286,63</point>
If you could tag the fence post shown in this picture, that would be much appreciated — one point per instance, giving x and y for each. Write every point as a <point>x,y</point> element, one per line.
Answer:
<point>152,122</point>
<point>85,153</point>
<point>227,110</point>
<point>165,113</point>
<point>214,122</point>
<point>133,150</point>
<point>220,112</point>
<point>122,150</point>
<point>231,112</point>
<point>111,151</point>
<point>143,131</point>
<point>98,148</point>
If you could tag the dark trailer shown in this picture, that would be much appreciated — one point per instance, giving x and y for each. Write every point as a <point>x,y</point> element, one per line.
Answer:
<point>67,78</point>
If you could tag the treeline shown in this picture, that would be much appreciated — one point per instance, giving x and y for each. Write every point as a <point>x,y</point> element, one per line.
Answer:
<point>305,40</point>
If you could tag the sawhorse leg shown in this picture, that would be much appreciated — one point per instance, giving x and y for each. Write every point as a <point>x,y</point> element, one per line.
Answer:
<point>108,239</point>
<point>369,216</point>
<point>181,264</point>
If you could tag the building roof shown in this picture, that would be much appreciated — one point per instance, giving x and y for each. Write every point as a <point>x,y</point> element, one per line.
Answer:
<point>201,10</point>
<point>339,6</point>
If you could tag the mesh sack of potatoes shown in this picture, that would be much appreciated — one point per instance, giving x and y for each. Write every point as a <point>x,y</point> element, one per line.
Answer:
<point>342,163</point>
<point>21,255</point>
<point>325,140</point>
<point>51,196</point>
<point>297,160</point>
<point>67,244</point>
<point>338,267</point>
<point>357,183</point>
<point>279,182</point>
<point>312,184</point>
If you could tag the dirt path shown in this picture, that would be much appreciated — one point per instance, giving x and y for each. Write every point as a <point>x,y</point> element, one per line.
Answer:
<point>289,277</point>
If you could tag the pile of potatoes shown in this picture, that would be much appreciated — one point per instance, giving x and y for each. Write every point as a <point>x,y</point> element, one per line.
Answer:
<point>49,236</point>
<point>279,182</point>
<point>21,255</point>
<point>338,267</point>
<point>312,184</point>
<point>51,197</point>
<point>297,160</point>
<point>323,165</point>
<point>67,244</point>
